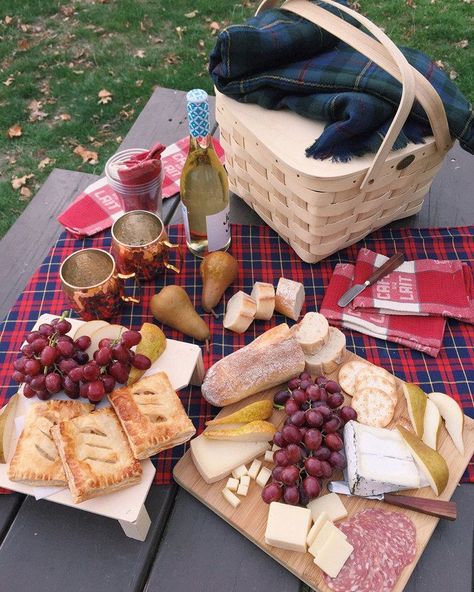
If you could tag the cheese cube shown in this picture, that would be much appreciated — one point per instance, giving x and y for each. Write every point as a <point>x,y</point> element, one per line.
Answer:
<point>245,480</point>
<point>268,456</point>
<point>275,448</point>
<point>331,504</point>
<point>255,468</point>
<point>318,524</point>
<point>239,472</point>
<point>263,476</point>
<point>332,555</point>
<point>327,530</point>
<point>230,497</point>
<point>242,490</point>
<point>287,527</point>
<point>232,484</point>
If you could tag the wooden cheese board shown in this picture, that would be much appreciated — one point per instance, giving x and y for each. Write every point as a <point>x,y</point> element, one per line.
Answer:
<point>250,517</point>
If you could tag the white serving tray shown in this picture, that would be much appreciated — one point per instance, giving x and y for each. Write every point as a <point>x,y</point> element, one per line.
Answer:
<point>183,363</point>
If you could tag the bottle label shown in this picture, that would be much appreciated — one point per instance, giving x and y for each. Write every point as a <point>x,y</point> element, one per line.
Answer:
<point>218,230</point>
<point>184,210</point>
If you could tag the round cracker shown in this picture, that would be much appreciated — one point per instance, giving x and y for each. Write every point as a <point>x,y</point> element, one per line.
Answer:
<point>368,379</point>
<point>348,374</point>
<point>374,407</point>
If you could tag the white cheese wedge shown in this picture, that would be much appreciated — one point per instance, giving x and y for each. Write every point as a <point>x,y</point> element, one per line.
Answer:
<point>333,554</point>
<point>245,480</point>
<point>287,527</point>
<point>254,468</point>
<point>239,472</point>
<point>230,497</point>
<point>318,524</point>
<point>268,456</point>
<point>216,459</point>
<point>232,484</point>
<point>242,490</point>
<point>263,476</point>
<point>331,504</point>
<point>328,529</point>
<point>378,461</point>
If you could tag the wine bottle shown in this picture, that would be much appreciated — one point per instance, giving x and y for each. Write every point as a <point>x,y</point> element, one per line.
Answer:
<point>204,186</point>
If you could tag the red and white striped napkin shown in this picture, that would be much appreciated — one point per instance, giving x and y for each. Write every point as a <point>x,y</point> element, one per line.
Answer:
<point>423,333</point>
<point>98,206</point>
<point>422,287</point>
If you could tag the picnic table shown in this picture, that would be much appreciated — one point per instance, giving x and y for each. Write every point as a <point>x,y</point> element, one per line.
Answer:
<point>49,547</point>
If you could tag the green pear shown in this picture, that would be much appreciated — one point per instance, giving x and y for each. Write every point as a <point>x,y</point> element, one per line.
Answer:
<point>218,271</point>
<point>416,403</point>
<point>173,307</point>
<point>452,415</point>
<point>431,425</point>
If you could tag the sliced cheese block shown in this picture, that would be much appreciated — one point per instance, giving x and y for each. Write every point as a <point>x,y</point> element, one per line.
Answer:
<point>287,527</point>
<point>264,296</point>
<point>263,477</point>
<point>332,555</point>
<point>232,484</point>
<point>240,312</point>
<point>328,529</point>
<point>255,468</point>
<point>378,460</point>
<point>245,480</point>
<point>239,472</point>
<point>312,333</point>
<point>230,497</point>
<point>268,456</point>
<point>318,524</point>
<point>327,359</point>
<point>330,504</point>
<point>242,490</point>
<point>216,459</point>
<point>289,298</point>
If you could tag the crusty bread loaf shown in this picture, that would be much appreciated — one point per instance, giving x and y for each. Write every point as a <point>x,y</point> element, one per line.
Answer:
<point>312,332</point>
<point>252,369</point>
<point>273,335</point>
<point>289,298</point>
<point>240,312</point>
<point>264,296</point>
<point>328,358</point>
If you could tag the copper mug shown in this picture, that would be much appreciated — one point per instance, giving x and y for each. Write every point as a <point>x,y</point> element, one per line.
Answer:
<point>95,289</point>
<point>140,245</point>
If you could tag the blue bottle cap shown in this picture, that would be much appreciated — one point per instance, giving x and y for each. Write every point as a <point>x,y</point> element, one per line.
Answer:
<point>198,113</point>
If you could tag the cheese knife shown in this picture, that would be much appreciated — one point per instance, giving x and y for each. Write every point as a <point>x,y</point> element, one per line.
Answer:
<point>432,507</point>
<point>379,273</point>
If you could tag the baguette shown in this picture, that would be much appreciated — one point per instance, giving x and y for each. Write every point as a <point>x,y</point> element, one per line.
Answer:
<point>289,298</point>
<point>240,312</point>
<point>312,333</point>
<point>327,359</point>
<point>264,296</point>
<point>252,369</point>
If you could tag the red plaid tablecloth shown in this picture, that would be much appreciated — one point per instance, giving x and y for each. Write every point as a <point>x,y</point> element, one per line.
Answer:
<point>263,256</point>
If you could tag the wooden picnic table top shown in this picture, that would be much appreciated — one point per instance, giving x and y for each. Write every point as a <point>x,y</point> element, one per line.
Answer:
<point>48,547</point>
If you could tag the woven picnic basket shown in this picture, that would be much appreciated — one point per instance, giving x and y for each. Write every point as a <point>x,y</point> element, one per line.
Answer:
<point>319,207</point>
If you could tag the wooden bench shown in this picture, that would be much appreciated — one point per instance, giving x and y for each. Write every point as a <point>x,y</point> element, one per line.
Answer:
<point>45,547</point>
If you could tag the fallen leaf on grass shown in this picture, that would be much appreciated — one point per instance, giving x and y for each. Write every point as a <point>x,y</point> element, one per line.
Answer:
<point>171,59</point>
<point>180,31</point>
<point>18,182</point>
<point>140,53</point>
<point>201,44</point>
<point>23,44</point>
<point>63,117</point>
<point>15,131</point>
<point>36,114</point>
<point>453,74</point>
<point>66,10</point>
<point>105,97</point>
<point>138,83</point>
<point>9,81</point>
<point>24,28</point>
<point>8,20</point>
<point>462,44</point>
<point>215,28</point>
<point>440,64</point>
<point>25,193</point>
<point>45,162</point>
<point>87,155</point>
<point>410,3</point>
<point>191,14</point>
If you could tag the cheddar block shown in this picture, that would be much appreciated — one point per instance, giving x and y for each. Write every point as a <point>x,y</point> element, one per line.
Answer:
<point>287,527</point>
<point>263,476</point>
<point>318,524</point>
<point>331,504</point>
<point>255,468</point>
<point>333,554</point>
<point>245,480</point>
<point>230,497</point>
<point>232,484</point>
<point>242,490</point>
<point>268,456</point>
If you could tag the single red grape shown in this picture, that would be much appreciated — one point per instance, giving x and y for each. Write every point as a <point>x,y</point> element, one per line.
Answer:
<point>294,383</point>
<point>290,475</point>
<point>332,387</point>
<point>305,376</point>
<point>109,382</point>
<point>18,376</point>
<point>313,466</point>
<point>347,414</point>
<point>32,367</point>
<point>313,392</point>
<point>65,348</point>
<point>304,384</point>
<point>48,355</point>
<point>53,383</point>
<point>83,342</point>
<point>291,434</point>
<point>291,495</point>
<point>281,397</point>
<point>276,473</point>
<point>334,442</point>
<point>279,440</point>
<point>28,391</point>
<point>91,371</point>
<point>96,391</point>
<point>32,336</point>
<point>321,380</point>
<point>291,406</point>
<point>141,362</point>
<point>103,356</point>
<point>313,439</point>
<point>332,424</point>
<point>27,350</point>
<point>313,418</point>
<point>19,364</point>
<point>39,382</point>
<point>294,453</point>
<point>311,487</point>
<point>280,458</point>
<point>63,327</point>
<point>298,418</point>
<point>119,371</point>
<point>326,468</point>
<point>121,353</point>
<point>46,329</point>
<point>105,342</point>
<point>81,357</point>
<point>299,396</point>
<point>335,400</point>
<point>39,344</point>
<point>43,395</point>
<point>322,453</point>
<point>337,460</point>
<point>272,493</point>
<point>131,338</point>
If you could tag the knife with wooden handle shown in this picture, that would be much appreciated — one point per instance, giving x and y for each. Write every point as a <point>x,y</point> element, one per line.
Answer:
<point>389,265</point>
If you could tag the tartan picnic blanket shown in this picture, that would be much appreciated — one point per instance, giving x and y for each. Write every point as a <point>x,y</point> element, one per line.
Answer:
<point>279,60</point>
<point>264,256</point>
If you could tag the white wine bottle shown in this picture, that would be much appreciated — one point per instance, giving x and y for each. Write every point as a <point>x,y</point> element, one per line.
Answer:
<point>204,186</point>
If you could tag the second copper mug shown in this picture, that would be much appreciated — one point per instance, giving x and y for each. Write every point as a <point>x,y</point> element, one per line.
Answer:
<point>90,280</point>
<point>140,245</point>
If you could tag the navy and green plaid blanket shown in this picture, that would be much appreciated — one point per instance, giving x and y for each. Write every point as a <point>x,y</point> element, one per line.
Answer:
<point>282,61</point>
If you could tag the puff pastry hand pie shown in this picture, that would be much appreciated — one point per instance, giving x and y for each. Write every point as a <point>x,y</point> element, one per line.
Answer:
<point>152,415</point>
<point>36,460</point>
<point>95,454</point>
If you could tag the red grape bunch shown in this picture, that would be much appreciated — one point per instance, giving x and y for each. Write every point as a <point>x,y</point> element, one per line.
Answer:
<point>52,361</point>
<point>311,439</point>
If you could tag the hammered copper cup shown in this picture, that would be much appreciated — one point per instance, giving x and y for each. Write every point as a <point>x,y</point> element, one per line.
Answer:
<point>95,289</point>
<point>140,245</point>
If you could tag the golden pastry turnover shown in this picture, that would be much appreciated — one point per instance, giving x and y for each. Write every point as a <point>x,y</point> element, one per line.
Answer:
<point>96,456</point>
<point>152,415</point>
<point>36,460</point>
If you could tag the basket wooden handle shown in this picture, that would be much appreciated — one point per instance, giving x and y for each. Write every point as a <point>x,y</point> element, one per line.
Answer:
<point>385,54</point>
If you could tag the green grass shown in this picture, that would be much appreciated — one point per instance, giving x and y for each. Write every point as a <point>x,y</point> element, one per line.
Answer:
<point>63,53</point>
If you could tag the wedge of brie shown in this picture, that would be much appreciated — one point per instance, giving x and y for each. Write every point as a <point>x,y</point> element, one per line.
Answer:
<point>378,461</point>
